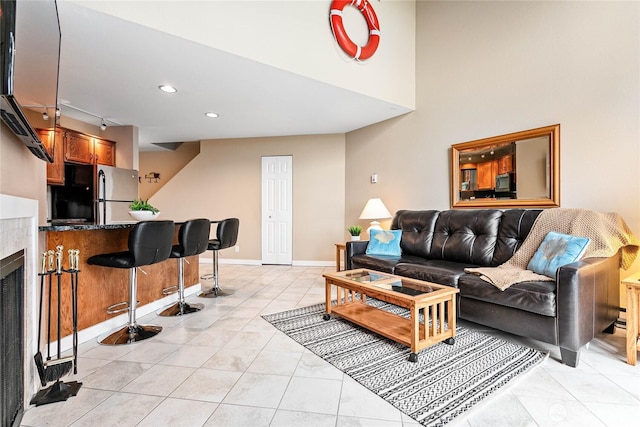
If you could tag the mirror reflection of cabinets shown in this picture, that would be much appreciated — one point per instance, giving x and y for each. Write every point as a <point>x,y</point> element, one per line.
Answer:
<point>520,169</point>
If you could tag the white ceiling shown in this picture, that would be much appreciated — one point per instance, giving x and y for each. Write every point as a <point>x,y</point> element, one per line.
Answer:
<point>112,68</point>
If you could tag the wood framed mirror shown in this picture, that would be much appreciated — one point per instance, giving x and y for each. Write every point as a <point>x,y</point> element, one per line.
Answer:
<point>520,169</point>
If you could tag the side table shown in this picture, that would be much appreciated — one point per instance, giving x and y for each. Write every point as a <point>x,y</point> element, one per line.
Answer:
<point>340,248</point>
<point>632,284</point>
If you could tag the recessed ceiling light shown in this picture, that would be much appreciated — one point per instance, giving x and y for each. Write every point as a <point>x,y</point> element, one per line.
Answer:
<point>167,88</point>
<point>211,114</point>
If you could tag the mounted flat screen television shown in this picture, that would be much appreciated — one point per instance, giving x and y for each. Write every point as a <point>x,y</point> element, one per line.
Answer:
<point>30,49</point>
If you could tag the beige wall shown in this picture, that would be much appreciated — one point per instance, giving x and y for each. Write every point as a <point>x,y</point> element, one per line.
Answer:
<point>491,68</point>
<point>224,180</point>
<point>167,163</point>
<point>294,36</point>
<point>21,173</point>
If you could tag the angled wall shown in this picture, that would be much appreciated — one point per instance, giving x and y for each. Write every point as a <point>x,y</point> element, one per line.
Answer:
<point>294,36</point>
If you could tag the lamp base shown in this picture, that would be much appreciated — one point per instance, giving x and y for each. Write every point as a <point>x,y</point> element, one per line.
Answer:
<point>374,225</point>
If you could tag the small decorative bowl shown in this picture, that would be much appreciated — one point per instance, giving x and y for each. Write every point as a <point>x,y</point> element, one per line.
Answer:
<point>144,215</point>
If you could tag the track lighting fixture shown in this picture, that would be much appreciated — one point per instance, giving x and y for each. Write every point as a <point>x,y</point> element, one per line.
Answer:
<point>103,121</point>
<point>58,112</point>
<point>45,116</point>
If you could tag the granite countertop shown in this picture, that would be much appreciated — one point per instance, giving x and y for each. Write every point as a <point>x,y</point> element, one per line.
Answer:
<point>84,226</point>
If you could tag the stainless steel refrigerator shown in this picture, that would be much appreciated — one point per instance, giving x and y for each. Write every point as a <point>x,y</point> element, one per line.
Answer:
<point>116,188</point>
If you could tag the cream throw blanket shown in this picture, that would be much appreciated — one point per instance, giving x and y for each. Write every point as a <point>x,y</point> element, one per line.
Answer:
<point>608,233</point>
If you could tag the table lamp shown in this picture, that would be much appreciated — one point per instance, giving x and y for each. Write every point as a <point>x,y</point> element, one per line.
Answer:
<point>375,209</point>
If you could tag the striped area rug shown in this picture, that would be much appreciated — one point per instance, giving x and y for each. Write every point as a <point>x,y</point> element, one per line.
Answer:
<point>445,382</point>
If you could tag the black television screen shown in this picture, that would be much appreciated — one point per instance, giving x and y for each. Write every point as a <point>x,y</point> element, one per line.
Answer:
<point>30,49</point>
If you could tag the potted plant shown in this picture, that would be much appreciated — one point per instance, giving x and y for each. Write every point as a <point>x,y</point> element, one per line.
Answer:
<point>142,210</point>
<point>355,231</point>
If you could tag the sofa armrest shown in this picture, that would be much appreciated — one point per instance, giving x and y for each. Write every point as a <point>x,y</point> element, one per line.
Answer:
<point>354,247</point>
<point>587,300</point>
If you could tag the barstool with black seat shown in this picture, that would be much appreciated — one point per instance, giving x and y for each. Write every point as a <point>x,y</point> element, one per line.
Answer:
<point>149,243</point>
<point>193,239</point>
<point>226,236</point>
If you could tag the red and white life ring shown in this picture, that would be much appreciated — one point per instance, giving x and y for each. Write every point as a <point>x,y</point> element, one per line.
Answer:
<point>350,48</point>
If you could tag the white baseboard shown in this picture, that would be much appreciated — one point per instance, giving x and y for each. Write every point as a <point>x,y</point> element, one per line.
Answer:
<point>93,332</point>
<point>259,262</point>
<point>314,263</point>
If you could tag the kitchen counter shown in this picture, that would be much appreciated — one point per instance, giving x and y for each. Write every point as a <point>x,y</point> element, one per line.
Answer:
<point>100,287</point>
<point>86,226</point>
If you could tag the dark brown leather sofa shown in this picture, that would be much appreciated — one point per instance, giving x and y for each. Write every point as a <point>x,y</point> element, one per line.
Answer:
<point>438,245</point>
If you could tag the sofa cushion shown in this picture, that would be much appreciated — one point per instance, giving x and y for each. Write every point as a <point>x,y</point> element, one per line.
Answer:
<point>384,242</point>
<point>382,263</point>
<point>466,236</point>
<point>515,225</point>
<point>535,297</point>
<point>435,270</point>
<point>417,231</point>
<point>556,250</point>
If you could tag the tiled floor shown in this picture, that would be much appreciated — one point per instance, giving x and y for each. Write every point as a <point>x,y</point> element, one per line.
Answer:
<point>226,366</point>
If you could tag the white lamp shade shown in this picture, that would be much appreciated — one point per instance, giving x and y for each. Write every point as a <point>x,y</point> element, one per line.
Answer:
<point>375,209</point>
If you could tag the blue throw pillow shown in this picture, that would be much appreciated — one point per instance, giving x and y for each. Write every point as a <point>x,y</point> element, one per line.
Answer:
<point>384,242</point>
<point>555,251</point>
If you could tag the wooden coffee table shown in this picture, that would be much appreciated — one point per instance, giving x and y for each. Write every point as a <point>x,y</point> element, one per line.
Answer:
<point>633,307</point>
<point>436,303</point>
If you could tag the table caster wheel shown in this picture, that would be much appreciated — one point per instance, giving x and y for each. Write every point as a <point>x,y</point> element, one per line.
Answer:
<point>413,357</point>
<point>450,341</point>
<point>326,316</point>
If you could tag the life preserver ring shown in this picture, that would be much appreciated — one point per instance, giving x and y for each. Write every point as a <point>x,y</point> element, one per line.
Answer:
<point>350,48</point>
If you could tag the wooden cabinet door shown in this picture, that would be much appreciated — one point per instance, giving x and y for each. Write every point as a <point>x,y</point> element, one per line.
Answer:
<point>486,176</point>
<point>55,147</point>
<point>505,164</point>
<point>78,148</point>
<point>104,152</point>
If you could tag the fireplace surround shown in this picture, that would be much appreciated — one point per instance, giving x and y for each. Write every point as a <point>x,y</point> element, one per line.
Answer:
<point>19,232</point>
<point>11,339</point>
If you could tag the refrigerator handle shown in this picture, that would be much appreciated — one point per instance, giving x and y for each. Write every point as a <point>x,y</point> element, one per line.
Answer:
<point>103,195</point>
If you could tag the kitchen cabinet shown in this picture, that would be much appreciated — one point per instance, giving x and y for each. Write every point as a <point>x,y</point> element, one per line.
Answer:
<point>487,175</point>
<point>55,146</point>
<point>505,164</point>
<point>81,148</point>
<point>78,148</point>
<point>104,152</point>
<point>74,147</point>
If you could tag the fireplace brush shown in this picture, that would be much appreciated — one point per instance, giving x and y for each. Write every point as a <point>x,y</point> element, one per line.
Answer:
<point>54,369</point>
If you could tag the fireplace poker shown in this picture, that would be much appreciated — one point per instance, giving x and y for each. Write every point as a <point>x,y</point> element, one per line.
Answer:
<point>74,261</point>
<point>50,273</point>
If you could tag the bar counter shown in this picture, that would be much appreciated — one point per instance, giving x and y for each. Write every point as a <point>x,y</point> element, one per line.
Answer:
<point>100,287</point>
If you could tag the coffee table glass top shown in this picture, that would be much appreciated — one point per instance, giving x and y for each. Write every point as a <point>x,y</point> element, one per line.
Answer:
<point>365,276</point>
<point>387,281</point>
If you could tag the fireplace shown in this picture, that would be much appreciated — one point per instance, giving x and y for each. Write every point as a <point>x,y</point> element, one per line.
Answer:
<point>19,235</point>
<point>11,339</point>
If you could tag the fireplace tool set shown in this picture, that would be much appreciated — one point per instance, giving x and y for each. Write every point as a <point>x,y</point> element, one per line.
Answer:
<point>52,369</point>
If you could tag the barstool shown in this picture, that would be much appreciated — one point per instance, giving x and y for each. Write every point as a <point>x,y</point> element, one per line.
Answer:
<point>193,239</point>
<point>227,236</point>
<point>149,243</point>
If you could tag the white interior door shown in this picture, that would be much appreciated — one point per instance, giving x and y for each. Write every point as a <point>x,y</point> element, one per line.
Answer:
<point>277,209</point>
